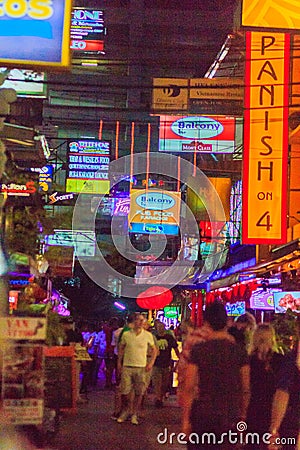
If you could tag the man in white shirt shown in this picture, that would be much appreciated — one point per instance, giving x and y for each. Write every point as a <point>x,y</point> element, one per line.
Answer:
<point>133,366</point>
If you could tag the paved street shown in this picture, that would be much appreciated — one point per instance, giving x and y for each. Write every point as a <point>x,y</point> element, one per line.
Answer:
<point>93,429</point>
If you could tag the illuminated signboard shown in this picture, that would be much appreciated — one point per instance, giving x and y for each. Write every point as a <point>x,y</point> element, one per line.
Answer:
<point>35,32</point>
<point>46,178</point>
<point>87,31</point>
<point>201,134</point>
<point>235,309</point>
<point>287,300</point>
<point>265,138</point>
<point>26,83</point>
<point>19,190</point>
<point>88,163</point>
<point>154,211</point>
<point>167,321</point>
<point>263,299</point>
<point>59,197</point>
<point>121,206</point>
<point>274,14</point>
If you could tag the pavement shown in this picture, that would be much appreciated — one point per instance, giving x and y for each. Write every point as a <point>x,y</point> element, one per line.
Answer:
<point>91,428</point>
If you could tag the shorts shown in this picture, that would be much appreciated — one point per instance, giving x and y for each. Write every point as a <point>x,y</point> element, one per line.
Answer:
<point>132,378</point>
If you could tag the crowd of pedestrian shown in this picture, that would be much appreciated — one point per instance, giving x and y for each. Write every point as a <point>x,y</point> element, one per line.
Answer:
<point>228,375</point>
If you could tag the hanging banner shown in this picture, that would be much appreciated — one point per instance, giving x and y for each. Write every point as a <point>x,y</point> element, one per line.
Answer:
<point>35,33</point>
<point>265,138</point>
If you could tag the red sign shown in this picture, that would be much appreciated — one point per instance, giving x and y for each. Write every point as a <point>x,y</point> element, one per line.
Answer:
<point>87,46</point>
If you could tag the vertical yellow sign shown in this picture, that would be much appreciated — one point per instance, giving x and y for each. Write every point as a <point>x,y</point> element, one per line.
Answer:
<point>265,138</point>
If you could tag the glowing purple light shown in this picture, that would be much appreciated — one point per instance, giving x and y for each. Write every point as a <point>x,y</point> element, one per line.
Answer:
<point>120,306</point>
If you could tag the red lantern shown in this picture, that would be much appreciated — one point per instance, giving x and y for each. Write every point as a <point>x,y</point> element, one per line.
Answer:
<point>235,293</point>
<point>229,296</point>
<point>155,297</point>
<point>209,298</point>
<point>242,290</point>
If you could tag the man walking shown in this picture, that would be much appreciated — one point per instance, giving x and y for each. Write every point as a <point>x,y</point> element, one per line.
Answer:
<point>132,364</point>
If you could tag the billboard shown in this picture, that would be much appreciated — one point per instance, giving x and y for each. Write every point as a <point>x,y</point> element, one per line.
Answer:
<point>88,164</point>
<point>201,134</point>
<point>274,14</point>
<point>154,211</point>
<point>35,33</point>
<point>87,31</point>
<point>265,138</point>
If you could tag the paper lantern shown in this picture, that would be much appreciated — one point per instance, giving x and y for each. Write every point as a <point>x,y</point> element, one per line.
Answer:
<point>155,297</point>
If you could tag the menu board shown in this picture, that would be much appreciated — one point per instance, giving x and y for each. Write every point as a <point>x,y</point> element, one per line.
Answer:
<point>60,378</point>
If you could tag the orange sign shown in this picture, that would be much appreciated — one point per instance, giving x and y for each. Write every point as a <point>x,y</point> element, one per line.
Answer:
<point>271,14</point>
<point>265,138</point>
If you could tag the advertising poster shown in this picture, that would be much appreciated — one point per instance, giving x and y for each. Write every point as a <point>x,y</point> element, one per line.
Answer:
<point>287,300</point>
<point>23,384</point>
<point>154,211</point>
<point>201,134</point>
<point>35,33</point>
<point>88,164</point>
